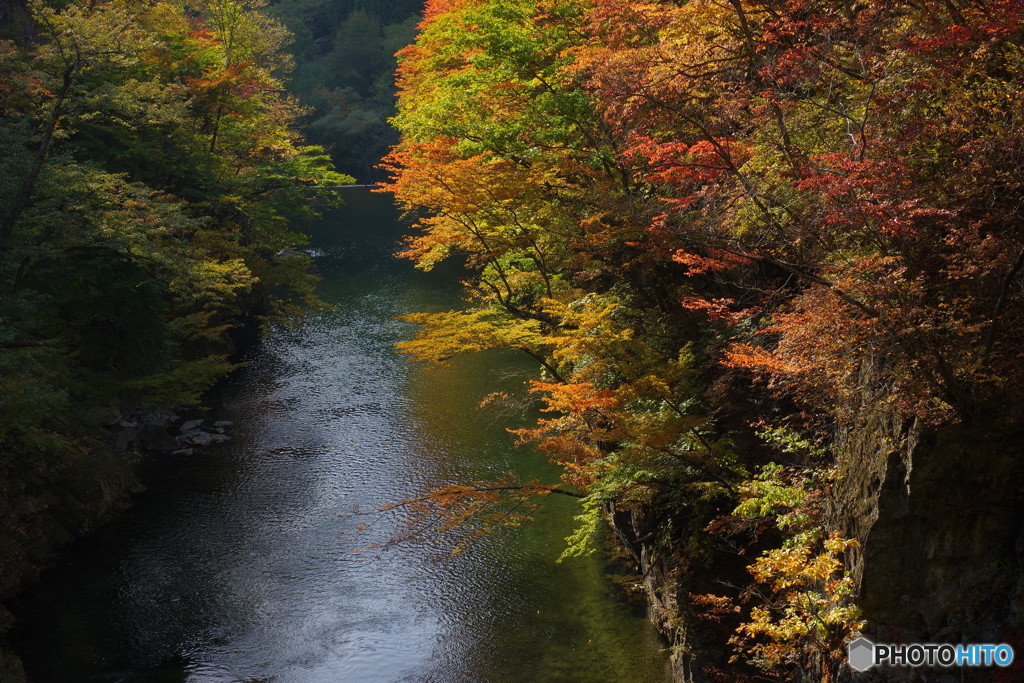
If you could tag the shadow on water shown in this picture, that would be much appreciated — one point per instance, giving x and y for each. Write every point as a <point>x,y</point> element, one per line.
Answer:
<point>234,567</point>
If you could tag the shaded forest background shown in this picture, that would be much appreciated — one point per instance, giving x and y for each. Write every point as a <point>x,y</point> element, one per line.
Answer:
<point>156,157</point>
<point>344,53</point>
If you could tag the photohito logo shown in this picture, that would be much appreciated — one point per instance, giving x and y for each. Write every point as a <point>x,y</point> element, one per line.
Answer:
<point>863,654</point>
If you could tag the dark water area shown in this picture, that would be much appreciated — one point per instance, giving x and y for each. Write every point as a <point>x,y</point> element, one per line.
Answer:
<point>241,563</point>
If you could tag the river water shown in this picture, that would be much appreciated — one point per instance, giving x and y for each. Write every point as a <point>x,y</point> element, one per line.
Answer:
<point>242,563</point>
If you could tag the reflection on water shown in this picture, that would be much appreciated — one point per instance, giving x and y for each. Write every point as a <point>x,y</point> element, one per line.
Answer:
<point>236,565</point>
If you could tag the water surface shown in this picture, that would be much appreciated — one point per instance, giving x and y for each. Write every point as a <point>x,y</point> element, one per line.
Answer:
<point>241,563</point>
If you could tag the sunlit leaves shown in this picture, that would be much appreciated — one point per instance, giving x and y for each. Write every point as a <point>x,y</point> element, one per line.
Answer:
<point>445,335</point>
<point>803,599</point>
<point>503,149</point>
<point>808,612</point>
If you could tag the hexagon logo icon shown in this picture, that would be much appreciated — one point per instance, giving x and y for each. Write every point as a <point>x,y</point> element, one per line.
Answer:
<point>861,654</point>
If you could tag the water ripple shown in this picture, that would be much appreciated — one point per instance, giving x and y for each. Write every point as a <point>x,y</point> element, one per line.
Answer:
<point>244,565</point>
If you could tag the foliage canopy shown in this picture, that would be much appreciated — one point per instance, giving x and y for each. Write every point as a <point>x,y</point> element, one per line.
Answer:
<point>719,226</point>
<point>152,170</point>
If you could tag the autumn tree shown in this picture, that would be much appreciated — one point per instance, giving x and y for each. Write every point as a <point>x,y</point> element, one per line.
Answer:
<point>527,183</point>
<point>680,207</point>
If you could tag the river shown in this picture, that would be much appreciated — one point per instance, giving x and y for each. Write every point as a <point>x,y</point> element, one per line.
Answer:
<point>241,563</point>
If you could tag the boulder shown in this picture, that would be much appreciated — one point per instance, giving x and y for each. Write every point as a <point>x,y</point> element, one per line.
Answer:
<point>123,439</point>
<point>198,438</point>
<point>154,437</point>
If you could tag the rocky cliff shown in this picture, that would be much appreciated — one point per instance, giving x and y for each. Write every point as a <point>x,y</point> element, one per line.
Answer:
<point>939,519</point>
<point>938,515</point>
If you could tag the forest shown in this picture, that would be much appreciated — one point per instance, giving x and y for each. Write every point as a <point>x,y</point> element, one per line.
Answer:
<point>766,254</point>
<point>154,170</point>
<point>344,74</point>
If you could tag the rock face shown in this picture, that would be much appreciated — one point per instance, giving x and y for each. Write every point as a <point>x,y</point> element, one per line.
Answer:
<point>939,515</point>
<point>940,519</point>
<point>630,528</point>
<point>691,645</point>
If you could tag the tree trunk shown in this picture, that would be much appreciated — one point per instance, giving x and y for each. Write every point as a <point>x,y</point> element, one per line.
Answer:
<point>28,185</point>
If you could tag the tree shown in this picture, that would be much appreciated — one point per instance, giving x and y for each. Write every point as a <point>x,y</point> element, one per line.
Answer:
<point>82,39</point>
<point>681,208</point>
<point>344,73</point>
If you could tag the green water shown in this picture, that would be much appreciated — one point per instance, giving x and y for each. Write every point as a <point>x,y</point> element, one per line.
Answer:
<point>233,566</point>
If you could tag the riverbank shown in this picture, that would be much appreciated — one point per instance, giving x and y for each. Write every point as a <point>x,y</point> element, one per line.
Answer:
<point>45,512</point>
